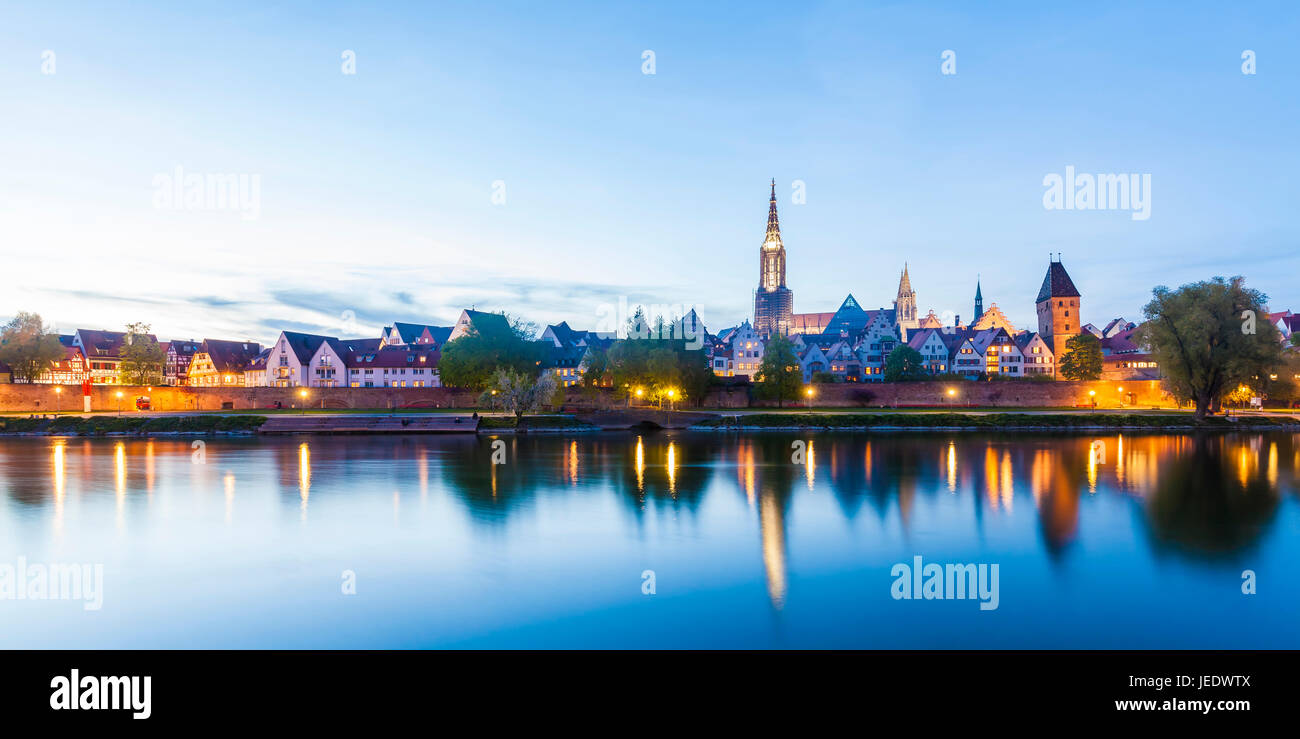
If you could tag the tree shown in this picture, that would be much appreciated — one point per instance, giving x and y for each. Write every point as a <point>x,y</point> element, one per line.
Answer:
<point>657,367</point>
<point>28,347</point>
<point>471,361</point>
<point>1205,339</point>
<point>519,392</point>
<point>141,357</point>
<point>904,364</point>
<point>1283,386</point>
<point>1083,358</point>
<point>778,375</point>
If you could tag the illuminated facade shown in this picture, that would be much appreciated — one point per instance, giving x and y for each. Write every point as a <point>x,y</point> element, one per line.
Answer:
<point>773,301</point>
<point>1058,309</point>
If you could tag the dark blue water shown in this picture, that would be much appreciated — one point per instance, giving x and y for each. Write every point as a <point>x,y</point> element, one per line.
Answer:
<point>248,544</point>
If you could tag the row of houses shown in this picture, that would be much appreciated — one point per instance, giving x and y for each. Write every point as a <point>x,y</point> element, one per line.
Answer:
<point>849,345</point>
<point>403,355</point>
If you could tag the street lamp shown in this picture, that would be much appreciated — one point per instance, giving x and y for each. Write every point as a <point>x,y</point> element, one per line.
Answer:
<point>119,403</point>
<point>808,394</point>
<point>303,394</point>
<point>671,394</point>
<point>58,395</point>
<point>1092,394</point>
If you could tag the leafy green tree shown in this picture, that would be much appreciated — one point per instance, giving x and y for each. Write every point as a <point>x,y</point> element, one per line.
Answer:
<point>1206,340</point>
<point>1282,389</point>
<point>1083,358</point>
<point>778,375</point>
<point>658,367</point>
<point>519,392</point>
<point>904,364</point>
<point>471,361</point>
<point>28,347</point>
<point>141,356</point>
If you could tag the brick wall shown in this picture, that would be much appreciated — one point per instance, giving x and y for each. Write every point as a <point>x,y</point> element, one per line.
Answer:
<point>1140,394</point>
<point>43,399</point>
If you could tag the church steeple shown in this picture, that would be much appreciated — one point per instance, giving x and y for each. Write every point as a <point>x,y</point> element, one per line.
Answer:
<point>979,300</point>
<point>773,301</point>
<point>771,257</point>
<point>773,225</point>
<point>905,302</point>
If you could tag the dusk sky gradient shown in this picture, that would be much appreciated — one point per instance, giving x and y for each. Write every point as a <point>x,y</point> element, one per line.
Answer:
<point>376,187</point>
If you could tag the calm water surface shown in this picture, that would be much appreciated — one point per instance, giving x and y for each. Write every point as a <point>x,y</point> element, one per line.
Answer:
<point>247,544</point>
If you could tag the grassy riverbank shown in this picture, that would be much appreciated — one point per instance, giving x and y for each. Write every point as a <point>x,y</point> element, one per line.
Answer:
<point>98,425</point>
<point>987,421</point>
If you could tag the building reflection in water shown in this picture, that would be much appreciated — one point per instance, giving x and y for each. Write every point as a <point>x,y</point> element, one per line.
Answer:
<point>771,524</point>
<point>1202,496</point>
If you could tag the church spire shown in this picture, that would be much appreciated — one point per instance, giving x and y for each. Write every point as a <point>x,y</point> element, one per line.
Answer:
<point>979,300</point>
<point>905,302</point>
<point>773,225</point>
<point>905,282</point>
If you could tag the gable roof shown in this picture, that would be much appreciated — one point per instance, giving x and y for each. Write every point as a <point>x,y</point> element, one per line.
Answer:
<point>410,333</point>
<point>304,346</point>
<point>230,356</point>
<point>1057,284</point>
<point>183,348</point>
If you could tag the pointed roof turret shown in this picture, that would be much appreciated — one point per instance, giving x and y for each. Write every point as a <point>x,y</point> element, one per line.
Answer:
<point>1057,284</point>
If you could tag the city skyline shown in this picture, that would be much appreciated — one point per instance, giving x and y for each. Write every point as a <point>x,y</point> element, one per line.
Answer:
<point>625,184</point>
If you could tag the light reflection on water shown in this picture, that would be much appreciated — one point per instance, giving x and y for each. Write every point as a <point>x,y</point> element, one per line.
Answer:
<point>1119,540</point>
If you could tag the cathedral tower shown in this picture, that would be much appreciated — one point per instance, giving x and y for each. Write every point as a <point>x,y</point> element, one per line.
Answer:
<point>773,301</point>
<point>979,301</point>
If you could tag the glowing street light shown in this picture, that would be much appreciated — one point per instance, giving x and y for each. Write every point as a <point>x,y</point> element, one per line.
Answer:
<point>808,394</point>
<point>58,395</point>
<point>1092,394</point>
<point>119,402</point>
<point>303,394</point>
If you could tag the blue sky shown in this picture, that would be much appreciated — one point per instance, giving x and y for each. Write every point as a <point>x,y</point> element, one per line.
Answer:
<point>376,189</point>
